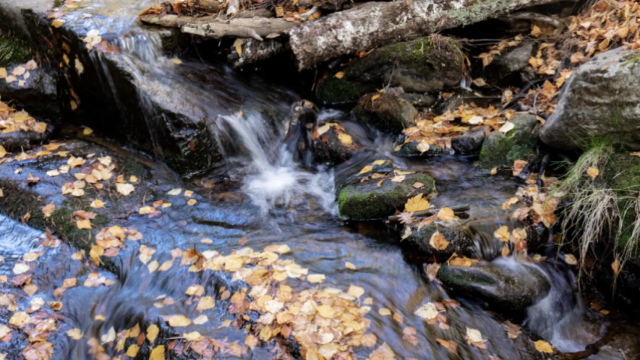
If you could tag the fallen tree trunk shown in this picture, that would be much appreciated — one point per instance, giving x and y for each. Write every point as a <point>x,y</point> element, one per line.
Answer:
<point>244,28</point>
<point>375,24</point>
<point>255,51</point>
<point>177,21</point>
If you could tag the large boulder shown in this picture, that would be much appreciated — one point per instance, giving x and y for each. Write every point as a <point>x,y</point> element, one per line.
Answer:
<point>470,142</point>
<point>600,100</point>
<point>374,199</point>
<point>503,283</point>
<point>460,240</point>
<point>420,66</point>
<point>36,93</point>
<point>386,112</point>
<point>519,143</point>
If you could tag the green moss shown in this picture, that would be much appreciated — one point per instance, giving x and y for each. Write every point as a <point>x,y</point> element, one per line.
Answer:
<point>367,201</point>
<point>13,50</point>
<point>18,202</point>
<point>336,91</point>
<point>518,144</point>
<point>132,167</point>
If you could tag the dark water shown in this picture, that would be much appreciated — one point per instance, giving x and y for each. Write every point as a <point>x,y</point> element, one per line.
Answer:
<point>256,200</point>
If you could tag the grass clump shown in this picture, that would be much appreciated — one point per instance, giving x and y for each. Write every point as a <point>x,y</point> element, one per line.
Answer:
<point>13,50</point>
<point>606,208</point>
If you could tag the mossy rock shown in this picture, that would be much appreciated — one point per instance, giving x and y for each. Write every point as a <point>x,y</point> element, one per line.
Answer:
<point>460,240</point>
<point>368,201</point>
<point>622,174</point>
<point>418,66</point>
<point>387,112</point>
<point>13,50</point>
<point>410,149</point>
<point>520,143</point>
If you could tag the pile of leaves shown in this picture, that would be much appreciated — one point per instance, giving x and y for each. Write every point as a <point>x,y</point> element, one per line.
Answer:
<point>12,121</point>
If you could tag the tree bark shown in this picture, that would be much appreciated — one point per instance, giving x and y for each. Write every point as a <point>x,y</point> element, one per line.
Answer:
<point>254,51</point>
<point>243,28</point>
<point>376,24</point>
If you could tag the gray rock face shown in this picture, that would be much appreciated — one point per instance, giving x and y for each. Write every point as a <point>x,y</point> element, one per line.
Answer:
<point>387,112</point>
<point>520,143</point>
<point>460,241</point>
<point>506,65</point>
<point>503,283</point>
<point>601,99</point>
<point>38,96</point>
<point>418,66</point>
<point>470,142</point>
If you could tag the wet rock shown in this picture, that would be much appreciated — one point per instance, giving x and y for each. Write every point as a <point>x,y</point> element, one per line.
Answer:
<point>303,122</point>
<point>520,143</point>
<point>419,100</point>
<point>367,201</point>
<point>333,144</point>
<point>23,140</point>
<point>426,65</point>
<point>458,236</point>
<point>504,284</point>
<point>387,112</point>
<point>38,95</point>
<point>599,100</point>
<point>470,142</point>
<point>508,65</point>
<point>410,149</point>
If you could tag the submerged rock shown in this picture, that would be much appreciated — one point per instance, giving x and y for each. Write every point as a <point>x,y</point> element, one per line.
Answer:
<point>367,201</point>
<point>426,65</point>
<point>459,240</point>
<point>386,112</point>
<point>519,143</point>
<point>303,123</point>
<point>599,100</point>
<point>410,149</point>
<point>503,283</point>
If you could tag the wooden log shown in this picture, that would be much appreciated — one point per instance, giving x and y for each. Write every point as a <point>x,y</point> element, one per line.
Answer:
<point>208,6</point>
<point>180,21</point>
<point>375,24</point>
<point>243,28</point>
<point>426,213</point>
<point>255,51</point>
<point>232,7</point>
<point>333,5</point>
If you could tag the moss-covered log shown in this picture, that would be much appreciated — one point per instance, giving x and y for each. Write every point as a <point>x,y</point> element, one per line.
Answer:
<point>376,24</point>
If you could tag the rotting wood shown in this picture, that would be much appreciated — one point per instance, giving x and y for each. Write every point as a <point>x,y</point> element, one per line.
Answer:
<point>376,24</point>
<point>431,212</point>
<point>243,28</point>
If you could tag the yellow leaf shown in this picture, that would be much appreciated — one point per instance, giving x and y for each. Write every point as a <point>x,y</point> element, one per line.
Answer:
<point>57,23</point>
<point>339,75</point>
<point>124,189</point>
<point>192,202</point>
<point>75,334</point>
<point>97,204</point>
<point>201,319</point>
<point>446,215</point>
<point>355,291</point>
<point>502,234</point>
<point>593,172</point>
<point>349,265</point>
<point>152,332</point>
<point>132,351</point>
<point>157,353</point>
<point>416,203</point>
<point>494,171</point>
<point>366,169</point>
<point>384,312</point>
<point>179,321</point>
<point>49,209</point>
<point>192,336</point>
<point>206,303</point>
<point>345,139</point>
<point>83,224</point>
<point>238,45</point>
<point>153,266</point>
<point>544,346</point>
<point>438,241</point>
<point>3,151</point>
<point>87,131</point>
<point>176,61</point>
<point>326,311</point>
<point>570,259</point>
<point>374,97</point>
<point>315,278</point>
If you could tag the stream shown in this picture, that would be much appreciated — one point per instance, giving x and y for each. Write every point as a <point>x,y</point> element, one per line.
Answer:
<point>260,197</point>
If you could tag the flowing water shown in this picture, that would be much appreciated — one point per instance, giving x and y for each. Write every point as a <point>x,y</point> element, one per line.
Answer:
<point>284,203</point>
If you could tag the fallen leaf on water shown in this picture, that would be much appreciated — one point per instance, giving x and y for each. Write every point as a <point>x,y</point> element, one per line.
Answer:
<point>366,169</point>
<point>179,62</point>
<point>124,189</point>
<point>20,268</point>
<point>383,352</point>
<point>75,334</point>
<point>474,337</point>
<point>355,291</point>
<point>446,215</point>
<point>132,351</point>
<point>192,202</point>
<point>109,336</point>
<point>315,278</point>
<point>175,192</point>
<point>544,346</point>
<point>502,234</point>
<point>349,265</point>
<point>179,321</point>
<point>202,319</point>
<point>427,311</point>
<point>152,332</point>
<point>450,345</point>
<point>157,353</point>
<point>593,172</point>
<point>416,203</point>
<point>384,312</point>
<point>192,336</point>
